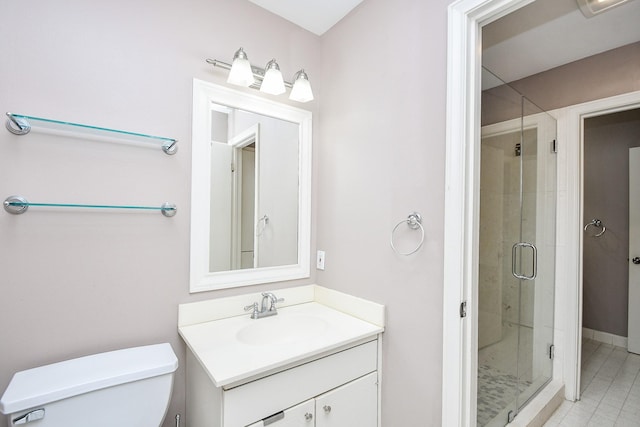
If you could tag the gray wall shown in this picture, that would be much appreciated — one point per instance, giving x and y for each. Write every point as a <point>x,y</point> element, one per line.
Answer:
<point>607,140</point>
<point>75,283</point>
<point>382,156</point>
<point>607,74</point>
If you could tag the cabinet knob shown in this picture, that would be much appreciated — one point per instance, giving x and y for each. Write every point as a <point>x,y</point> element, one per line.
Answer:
<point>327,408</point>
<point>308,416</point>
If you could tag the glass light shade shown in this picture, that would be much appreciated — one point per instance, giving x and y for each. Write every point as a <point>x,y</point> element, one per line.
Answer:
<point>273,82</point>
<point>301,91</point>
<point>240,73</point>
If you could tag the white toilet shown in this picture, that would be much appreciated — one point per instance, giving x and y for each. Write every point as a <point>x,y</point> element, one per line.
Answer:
<point>123,388</point>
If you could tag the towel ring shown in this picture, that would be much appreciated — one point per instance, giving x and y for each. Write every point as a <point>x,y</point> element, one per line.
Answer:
<point>596,223</point>
<point>414,221</point>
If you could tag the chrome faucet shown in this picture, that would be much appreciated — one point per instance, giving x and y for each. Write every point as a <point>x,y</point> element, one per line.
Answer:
<point>267,307</point>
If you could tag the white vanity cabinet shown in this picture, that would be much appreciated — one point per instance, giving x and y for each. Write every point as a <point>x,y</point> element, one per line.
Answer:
<point>353,404</point>
<point>314,364</point>
<point>337,390</point>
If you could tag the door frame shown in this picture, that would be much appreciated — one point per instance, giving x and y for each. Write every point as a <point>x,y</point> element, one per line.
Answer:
<point>570,233</point>
<point>249,136</point>
<point>633,320</point>
<point>465,19</point>
<point>462,182</point>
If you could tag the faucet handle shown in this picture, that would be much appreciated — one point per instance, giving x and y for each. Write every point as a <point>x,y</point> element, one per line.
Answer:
<point>253,307</point>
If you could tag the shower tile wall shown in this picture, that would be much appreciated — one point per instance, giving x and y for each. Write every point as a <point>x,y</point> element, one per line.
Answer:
<point>491,268</point>
<point>500,228</point>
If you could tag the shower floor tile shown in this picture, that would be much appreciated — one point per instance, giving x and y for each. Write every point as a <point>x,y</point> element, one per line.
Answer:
<point>496,391</point>
<point>497,374</point>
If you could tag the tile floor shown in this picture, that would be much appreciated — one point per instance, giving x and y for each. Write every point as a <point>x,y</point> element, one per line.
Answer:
<point>610,390</point>
<point>498,366</point>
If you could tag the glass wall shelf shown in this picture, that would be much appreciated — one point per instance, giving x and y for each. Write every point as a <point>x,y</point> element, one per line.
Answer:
<point>18,205</point>
<point>19,124</point>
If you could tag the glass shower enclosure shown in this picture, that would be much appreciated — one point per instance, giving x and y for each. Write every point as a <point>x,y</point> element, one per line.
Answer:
<point>516,252</point>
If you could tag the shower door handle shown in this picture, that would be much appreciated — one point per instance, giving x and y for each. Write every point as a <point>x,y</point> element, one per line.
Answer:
<point>534,259</point>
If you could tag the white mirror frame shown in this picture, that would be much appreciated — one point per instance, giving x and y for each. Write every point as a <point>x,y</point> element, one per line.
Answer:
<point>201,279</point>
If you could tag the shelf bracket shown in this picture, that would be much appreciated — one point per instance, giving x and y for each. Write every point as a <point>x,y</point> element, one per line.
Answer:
<point>17,125</point>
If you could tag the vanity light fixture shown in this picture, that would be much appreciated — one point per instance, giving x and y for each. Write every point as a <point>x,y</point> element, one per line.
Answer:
<point>591,8</point>
<point>273,82</point>
<point>240,71</point>
<point>301,91</point>
<point>267,80</point>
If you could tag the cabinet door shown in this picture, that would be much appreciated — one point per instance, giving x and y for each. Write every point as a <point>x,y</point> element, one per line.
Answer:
<point>301,415</point>
<point>353,404</point>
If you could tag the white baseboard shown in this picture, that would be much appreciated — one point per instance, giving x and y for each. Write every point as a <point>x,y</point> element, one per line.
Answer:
<point>605,337</point>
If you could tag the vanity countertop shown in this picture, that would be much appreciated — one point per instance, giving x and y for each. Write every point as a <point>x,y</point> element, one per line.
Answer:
<point>235,349</point>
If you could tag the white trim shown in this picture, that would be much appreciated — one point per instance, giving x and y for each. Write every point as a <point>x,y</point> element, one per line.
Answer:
<point>246,137</point>
<point>465,18</point>
<point>460,254</point>
<point>204,93</point>
<point>570,196</point>
<point>238,142</point>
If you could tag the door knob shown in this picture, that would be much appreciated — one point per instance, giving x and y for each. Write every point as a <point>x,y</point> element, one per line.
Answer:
<point>636,260</point>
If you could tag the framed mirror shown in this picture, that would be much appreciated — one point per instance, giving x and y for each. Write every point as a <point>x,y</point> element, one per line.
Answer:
<point>251,189</point>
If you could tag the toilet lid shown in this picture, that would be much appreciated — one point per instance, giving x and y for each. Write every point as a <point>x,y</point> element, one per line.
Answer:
<point>45,384</point>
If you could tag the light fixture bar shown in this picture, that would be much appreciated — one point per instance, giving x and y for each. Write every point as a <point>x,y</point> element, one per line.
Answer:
<point>258,72</point>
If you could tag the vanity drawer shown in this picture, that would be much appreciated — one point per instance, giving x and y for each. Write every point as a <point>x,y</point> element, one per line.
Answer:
<point>259,399</point>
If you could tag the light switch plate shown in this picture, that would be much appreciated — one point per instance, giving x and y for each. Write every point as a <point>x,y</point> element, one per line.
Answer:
<point>320,260</point>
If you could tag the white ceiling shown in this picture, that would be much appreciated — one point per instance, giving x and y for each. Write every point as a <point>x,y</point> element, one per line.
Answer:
<point>548,33</point>
<point>316,16</point>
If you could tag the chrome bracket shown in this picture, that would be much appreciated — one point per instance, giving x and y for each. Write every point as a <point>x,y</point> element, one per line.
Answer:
<point>414,220</point>
<point>17,125</point>
<point>16,205</point>
<point>170,148</point>
<point>168,209</point>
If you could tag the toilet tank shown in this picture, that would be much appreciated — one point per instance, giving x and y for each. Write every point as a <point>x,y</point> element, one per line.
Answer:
<point>123,388</point>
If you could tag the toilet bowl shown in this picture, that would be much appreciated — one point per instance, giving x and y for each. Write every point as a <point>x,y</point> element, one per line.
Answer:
<point>123,388</point>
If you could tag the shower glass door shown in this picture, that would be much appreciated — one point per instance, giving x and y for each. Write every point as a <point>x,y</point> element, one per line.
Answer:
<point>517,254</point>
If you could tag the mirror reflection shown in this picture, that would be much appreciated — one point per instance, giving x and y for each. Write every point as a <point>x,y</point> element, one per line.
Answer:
<point>254,190</point>
<point>250,189</point>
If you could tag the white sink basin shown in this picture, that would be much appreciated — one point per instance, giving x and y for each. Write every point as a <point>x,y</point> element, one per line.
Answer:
<point>282,329</point>
<point>237,348</point>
